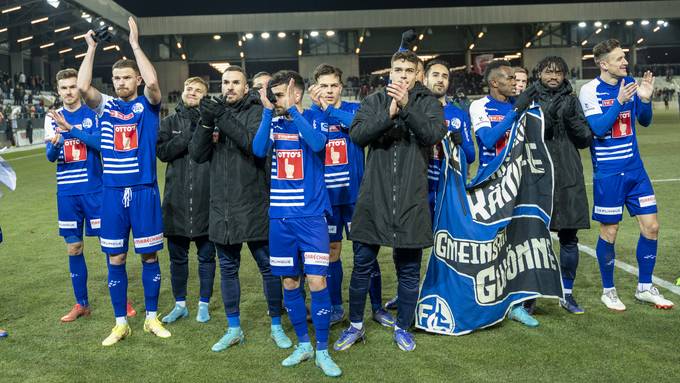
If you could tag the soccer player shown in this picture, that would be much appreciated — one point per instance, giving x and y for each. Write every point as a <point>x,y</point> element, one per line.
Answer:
<point>238,199</point>
<point>612,103</point>
<point>492,117</point>
<point>298,232</point>
<point>521,79</point>
<point>129,125</point>
<point>344,171</point>
<point>457,121</point>
<point>261,80</point>
<point>399,126</point>
<point>79,181</point>
<point>186,202</point>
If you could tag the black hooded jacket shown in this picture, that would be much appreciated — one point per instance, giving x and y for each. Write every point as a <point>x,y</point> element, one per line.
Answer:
<point>239,188</point>
<point>186,193</point>
<point>392,208</point>
<point>566,131</point>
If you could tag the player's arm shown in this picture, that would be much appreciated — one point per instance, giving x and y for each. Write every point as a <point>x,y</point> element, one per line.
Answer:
<point>577,127</point>
<point>53,141</point>
<point>262,141</point>
<point>468,145</point>
<point>152,90</point>
<point>92,97</point>
<point>169,146</point>
<point>345,118</point>
<point>601,123</point>
<point>370,122</point>
<point>482,124</point>
<point>92,140</point>
<point>643,100</point>
<point>314,138</point>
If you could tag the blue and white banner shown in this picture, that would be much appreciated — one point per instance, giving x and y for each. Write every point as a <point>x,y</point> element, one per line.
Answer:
<point>492,246</point>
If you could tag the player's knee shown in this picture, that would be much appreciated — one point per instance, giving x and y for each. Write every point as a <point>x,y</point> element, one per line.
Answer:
<point>291,283</point>
<point>650,230</point>
<point>608,232</point>
<point>316,282</point>
<point>118,259</point>
<point>75,248</point>
<point>150,258</point>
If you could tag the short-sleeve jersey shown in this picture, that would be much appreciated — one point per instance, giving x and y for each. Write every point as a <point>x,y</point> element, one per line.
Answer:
<point>129,133</point>
<point>456,120</point>
<point>617,150</point>
<point>298,188</point>
<point>488,112</point>
<point>79,168</point>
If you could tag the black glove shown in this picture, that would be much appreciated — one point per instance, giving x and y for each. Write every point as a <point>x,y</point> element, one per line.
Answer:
<point>525,98</point>
<point>210,108</point>
<point>407,38</point>
<point>456,137</point>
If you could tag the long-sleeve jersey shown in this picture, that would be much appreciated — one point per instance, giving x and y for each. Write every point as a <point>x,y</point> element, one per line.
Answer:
<point>344,159</point>
<point>79,168</point>
<point>491,121</point>
<point>456,120</point>
<point>298,158</point>
<point>614,148</point>
<point>129,133</point>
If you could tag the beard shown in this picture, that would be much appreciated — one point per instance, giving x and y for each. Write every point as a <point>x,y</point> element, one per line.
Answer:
<point>124,93</point>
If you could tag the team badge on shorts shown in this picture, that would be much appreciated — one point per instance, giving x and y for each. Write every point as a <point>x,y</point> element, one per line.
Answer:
<point>336,152</point>
<point>289,164</point>
<point>125,137</point>
<point>74,150</point>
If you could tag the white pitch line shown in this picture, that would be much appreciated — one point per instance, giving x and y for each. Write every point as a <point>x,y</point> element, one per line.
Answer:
<point>22,157</point>
<point>629,268</point>
<point>653,181</point>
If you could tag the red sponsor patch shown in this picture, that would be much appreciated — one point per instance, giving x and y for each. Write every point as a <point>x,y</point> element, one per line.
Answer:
<point>125,137</point>
<point>74,150</point>
<point>286,137</point>
<point>289,164</point>
<point>336,152</point>
<point>500,144</point>
<point>121,116</point>
<point>609,102</point>
<point>622,127</point>
<point>496,117</point>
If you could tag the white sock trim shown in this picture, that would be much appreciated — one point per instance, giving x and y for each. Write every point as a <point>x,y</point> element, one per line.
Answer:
<point>121,321</point>
<point>150,315</point>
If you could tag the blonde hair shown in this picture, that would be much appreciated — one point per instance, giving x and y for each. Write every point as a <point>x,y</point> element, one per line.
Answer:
<point>192,80</point>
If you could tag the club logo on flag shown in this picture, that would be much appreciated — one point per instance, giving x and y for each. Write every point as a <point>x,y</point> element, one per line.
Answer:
<point>74,150</point>
<point>336,152</point>
<point>125,137</point>
<point>622,126</point>
<point>289,164</point>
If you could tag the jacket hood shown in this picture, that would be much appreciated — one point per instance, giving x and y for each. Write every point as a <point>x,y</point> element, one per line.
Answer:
<point>249,99</point>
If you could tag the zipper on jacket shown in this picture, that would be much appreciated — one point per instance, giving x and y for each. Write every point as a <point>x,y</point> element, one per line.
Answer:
<point>191,199</point>
<point>394,194</point>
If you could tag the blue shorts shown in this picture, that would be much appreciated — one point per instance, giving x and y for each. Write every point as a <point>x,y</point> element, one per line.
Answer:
<point>298,246</point>
<point>137,208</point>
<point>632,188</point>
<point>341,219</point>
<point>73,210</point>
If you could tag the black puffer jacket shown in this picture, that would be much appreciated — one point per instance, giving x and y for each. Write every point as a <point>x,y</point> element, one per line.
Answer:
<point>566,131</point>
<point>186,195</point>
<point>239,189</point>
<point>392,208</point>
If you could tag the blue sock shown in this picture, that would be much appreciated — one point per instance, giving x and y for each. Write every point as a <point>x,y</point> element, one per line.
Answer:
<point>204,300</point>
<point>321,317</point>
<point>605,258</point>
<point>276,321</point>
<point>568,283</point>
<point>151,280</point>
<point>78,269</point>
<point>234,320</point>
<point>118,283</point>
<point>334,280</point>
<point>297,313</point>
<point>646,258</point>
<point>375,287</point>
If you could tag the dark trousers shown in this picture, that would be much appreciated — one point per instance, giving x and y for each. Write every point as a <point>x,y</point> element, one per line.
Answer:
<point>178,247</point>
<point>407,265</point>
<point>230,262</point>
<point>568,252</point>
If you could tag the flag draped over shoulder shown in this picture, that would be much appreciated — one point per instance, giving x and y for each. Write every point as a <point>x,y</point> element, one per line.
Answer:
<point>492,246</point>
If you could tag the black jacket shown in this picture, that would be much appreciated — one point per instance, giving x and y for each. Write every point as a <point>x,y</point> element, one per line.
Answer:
<point>239,188</point>
<point>566,131</point>
<point>392,208</point>
<point>186,194</point>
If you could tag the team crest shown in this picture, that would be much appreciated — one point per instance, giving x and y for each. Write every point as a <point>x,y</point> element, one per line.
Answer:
<point>138,108</point>
<point>87,123</point>
<point>435,315</point>
<point>455,123</point>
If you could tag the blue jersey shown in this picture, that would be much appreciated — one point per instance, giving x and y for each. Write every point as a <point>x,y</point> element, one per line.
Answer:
<point>344,160</point>
<point>456,120</point>
<point>488,112</point>
<point>79,168</point>
<point>614,148</point>
<point>129,132</point>
<point>298,188</point>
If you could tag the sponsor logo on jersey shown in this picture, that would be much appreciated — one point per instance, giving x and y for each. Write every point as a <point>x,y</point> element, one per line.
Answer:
<point>319,259</point>
<point>496,117</point>
<point>286,137</point>
<point>332,229</point>
<point>608,210</point>
<point>121,116</point>
<point>647,201</point>
<point>87,123</point>
<point>125,137</point>
<point>289,164</point>
<point>336,152</point>
<point>608,102</point>
<point>500,144</point>
<point>74,150</point>
<point>622,127</point>
<point>281,261</point>
<point>138,108</point>
<point>96,223</point>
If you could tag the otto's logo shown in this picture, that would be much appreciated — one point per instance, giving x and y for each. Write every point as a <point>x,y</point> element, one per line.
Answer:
<point>435,315</point>
<point>455,123</point>
<point>608,102</point>
<point>500,144</point>
<point>125,137</point>
<point>74,150</point>
<point>138,108</point>
<point>87,123</point>
<point>289,165</point>
<point>622,127</point>
<point>336,152</point>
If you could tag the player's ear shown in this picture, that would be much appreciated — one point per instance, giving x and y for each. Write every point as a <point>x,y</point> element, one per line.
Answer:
<point>139,80</point>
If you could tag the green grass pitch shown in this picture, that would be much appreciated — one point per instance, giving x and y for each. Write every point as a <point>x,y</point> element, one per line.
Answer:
<point>640,344</point>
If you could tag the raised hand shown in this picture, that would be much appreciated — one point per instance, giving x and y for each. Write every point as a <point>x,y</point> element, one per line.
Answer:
<point>394,109</point>
<point>134,33</point>
<point>626,92</point>
<point>54,140</point>
<point>291,94</point>
<point>398,92</point>
<point>315,94</point>
<point>90,40</point>
<point>646,87</point>
<point>264,99</point>
<point>59,119</point>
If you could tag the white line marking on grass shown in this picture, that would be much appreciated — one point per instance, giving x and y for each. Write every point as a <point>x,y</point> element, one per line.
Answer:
<point>629,268</point>
<point>22,157</point>
<point>653,181</point>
